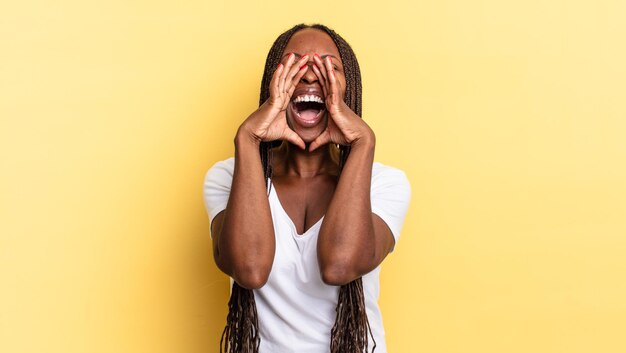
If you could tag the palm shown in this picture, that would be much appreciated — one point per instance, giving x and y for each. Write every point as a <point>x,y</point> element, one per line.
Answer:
<point>277,128</point>
<point>334,134</point>
<point>344,125</point>
<point>269,122</point>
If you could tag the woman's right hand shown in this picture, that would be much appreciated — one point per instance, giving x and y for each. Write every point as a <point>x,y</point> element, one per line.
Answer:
<point>269,122</point>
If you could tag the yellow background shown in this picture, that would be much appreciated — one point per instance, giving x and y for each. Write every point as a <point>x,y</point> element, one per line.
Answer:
<point>507,116</point>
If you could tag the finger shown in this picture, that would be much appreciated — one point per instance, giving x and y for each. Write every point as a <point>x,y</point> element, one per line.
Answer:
<point>281,80</point>
<point>297,69</point>
<point>334,90</point>
<point>274,83</point>
<point>294,138</point>
<point>296,79</point>
<point>330,72</point>
<point>320,78</point>
<point>322,139</point>
<point>320,65</point>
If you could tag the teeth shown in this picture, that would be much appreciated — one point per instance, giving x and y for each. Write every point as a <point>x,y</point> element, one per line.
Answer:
<point>308,98</point>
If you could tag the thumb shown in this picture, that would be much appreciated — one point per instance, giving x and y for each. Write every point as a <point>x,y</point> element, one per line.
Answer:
<point>294,138</point>
<point>321,140</point>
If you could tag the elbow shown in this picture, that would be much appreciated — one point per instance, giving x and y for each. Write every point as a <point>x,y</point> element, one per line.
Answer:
<point>338,275</point>
<point>247,275</point>
<point>251,278</point>
<point>343,269</point>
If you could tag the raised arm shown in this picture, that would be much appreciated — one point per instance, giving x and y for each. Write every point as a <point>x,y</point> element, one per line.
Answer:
<point>352,240</point>
<point>243,234</point>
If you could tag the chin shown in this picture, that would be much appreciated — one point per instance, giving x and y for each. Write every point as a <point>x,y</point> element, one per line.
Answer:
<point>307,130</point>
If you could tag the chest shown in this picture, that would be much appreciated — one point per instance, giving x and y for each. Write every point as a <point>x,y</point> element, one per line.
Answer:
<point>305,201</point>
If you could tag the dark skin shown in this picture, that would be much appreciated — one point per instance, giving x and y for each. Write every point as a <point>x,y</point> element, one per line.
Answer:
<point>352,240</point>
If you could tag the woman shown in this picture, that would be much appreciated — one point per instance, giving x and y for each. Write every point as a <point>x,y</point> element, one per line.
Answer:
<point>302,226</point>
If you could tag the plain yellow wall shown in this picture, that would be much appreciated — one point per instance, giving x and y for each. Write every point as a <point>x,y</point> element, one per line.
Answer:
<point>507,116</point>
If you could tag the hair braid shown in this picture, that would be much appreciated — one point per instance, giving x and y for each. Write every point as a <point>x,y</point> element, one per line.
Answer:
<point>350,332</point>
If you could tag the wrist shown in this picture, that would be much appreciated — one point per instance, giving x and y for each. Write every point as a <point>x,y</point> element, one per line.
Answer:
<point>366,140</point>
<point>245,137</point>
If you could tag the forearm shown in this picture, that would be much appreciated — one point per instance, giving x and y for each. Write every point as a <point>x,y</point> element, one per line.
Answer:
<point>346,243</point>
<point>246,241</point>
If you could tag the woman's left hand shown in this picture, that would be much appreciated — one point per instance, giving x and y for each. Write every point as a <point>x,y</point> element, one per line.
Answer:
<point>344,126</point>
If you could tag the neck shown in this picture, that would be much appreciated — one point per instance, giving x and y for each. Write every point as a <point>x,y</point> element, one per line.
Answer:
<point>306,164</point>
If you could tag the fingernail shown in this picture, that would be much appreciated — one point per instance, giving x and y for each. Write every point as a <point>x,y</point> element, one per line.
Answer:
<point>304,56</point>
<point>303,66</point>
<point>279,65</point>
<point>290,55</point>
<point>317,55</point>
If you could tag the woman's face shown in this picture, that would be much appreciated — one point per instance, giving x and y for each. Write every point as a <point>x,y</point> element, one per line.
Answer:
<point>305,116</point>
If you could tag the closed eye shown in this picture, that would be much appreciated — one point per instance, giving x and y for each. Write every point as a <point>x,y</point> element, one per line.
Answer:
<point>298,56</point>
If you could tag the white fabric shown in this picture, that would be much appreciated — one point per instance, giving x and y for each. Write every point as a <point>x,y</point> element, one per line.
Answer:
<point>296,308</point>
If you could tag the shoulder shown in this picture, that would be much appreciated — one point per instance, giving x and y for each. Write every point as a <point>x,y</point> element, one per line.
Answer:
<point>216,189</point>
<point>220,171</point>
<point>383,174</point>
<point>227,164</point>
<point>390,196</point>
<point>378,168</point>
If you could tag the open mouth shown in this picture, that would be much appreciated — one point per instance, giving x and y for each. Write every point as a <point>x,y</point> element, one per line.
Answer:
<point>308,109</point>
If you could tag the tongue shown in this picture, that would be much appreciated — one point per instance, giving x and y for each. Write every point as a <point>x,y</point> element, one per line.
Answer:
<point>309,114</point>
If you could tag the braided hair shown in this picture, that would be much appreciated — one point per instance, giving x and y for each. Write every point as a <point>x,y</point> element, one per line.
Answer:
<point>350,331</point>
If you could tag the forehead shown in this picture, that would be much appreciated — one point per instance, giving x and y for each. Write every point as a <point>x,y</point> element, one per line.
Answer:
<point>311,40</point>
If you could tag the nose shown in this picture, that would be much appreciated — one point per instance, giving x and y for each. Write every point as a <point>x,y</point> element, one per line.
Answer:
<point>309,77</point>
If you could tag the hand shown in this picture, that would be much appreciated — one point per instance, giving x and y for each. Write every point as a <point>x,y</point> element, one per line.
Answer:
<point>344,126</point>
<point>269,122</point>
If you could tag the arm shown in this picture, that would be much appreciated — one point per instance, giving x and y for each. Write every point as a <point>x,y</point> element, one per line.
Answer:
<point>352,240</point>
<point>243,234</point>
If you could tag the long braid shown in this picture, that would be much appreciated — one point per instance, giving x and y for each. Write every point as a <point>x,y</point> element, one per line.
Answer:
<point>351,329</point>
<point>350,332</point>
<point>241,334</point>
